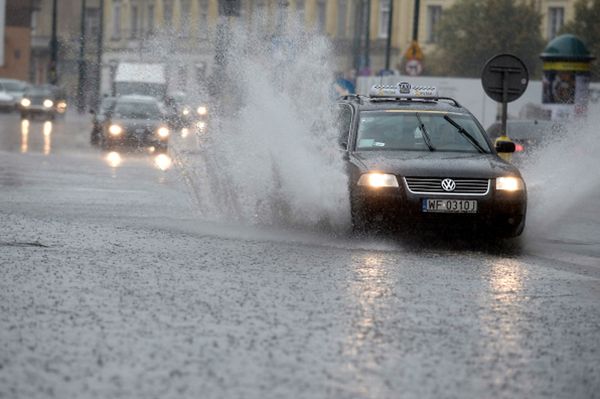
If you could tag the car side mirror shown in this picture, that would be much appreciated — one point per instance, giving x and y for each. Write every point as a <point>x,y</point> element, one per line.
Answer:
<point>343,145</point>
<point>505,146</point>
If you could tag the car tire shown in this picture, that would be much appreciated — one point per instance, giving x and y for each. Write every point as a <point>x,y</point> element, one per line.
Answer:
<point>361,223</point>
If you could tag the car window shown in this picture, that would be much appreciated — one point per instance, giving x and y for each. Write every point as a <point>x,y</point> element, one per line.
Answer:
<point>390,130</point>
<point>137,110</point>
<point>13,86</point>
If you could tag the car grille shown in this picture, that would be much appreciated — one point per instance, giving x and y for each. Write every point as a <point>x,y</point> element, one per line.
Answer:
<point>427,185</point>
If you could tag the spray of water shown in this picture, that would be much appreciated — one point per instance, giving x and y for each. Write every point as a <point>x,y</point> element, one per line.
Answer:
<point>562,174</point>
<point>270,155</point>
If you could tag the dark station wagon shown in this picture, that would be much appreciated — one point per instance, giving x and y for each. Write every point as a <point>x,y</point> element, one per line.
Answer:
<point>414,158</point>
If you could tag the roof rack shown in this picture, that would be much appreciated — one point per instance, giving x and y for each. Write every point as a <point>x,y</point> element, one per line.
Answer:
<point>404,91</point>
<point>424,99</point>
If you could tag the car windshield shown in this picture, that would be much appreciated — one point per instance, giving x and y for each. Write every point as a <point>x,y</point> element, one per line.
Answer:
<point>137,110</point>
<point>401,130</point>
<point>39,91</point>
<point>13,86</point>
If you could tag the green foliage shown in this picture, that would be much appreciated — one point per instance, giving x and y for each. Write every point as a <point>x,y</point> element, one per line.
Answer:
<point>472,31</point>
<point>586,25</point>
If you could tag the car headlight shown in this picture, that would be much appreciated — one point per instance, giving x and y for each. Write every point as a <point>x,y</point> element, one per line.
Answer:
<point>201,125</point>
<point>61,106</point>
<point>186,111</point>
<point>202,110</point>
<point>115,130</point>
<point>377,180</point>
<point>509,184</point>
<point>48,103</point>
<point>163,132</point>
<point>25,102</point>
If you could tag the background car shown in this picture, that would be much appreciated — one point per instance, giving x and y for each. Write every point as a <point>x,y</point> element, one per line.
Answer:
<point>15,89</point>
<point>43,100</point>
<point>7,102</point>
<point>99,118</point>
<point>527,134</point>
<point>135,121</point>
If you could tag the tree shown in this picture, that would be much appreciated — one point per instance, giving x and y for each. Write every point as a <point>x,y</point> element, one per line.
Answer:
<point>472,31</point>
<point>586,26</point>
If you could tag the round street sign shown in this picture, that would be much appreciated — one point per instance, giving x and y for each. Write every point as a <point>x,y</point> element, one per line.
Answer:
<point>413,67</point>
<point>504,78</point>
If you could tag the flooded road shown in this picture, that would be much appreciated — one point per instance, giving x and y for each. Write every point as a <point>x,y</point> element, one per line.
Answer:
<point>113,285</point>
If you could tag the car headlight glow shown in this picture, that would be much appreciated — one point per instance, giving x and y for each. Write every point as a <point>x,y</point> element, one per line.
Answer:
<point>509,183</point>
<point>115,130</point>
<point>186,111</point>
<point>377,180</point>
<point>201,125</point>
<point>25,102</point>
<point>202,110</point>
<point>163,132</point>
<point>48,103</point>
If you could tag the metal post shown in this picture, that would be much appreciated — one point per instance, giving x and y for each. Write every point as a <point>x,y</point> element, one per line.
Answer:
<point>504,100</point>
<point>415,35</point>
<point>388,44</point>
<point>368,35</point>
<point>81,63</point>
<point>99,43</point>
<point>53,67</point>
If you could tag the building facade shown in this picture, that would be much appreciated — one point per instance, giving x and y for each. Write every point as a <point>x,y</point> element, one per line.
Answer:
<point>181,33</point>
<point>17,39</point>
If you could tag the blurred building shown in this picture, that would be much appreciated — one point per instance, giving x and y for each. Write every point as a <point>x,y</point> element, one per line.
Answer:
<point>17,38</point>
<point>69,14</point>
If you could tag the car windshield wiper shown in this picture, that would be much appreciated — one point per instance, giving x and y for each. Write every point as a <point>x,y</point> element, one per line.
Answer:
<point>426,137</point>
<point>465,134</point>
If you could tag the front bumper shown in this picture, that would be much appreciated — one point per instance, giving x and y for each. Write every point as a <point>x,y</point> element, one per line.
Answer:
<point>136,140</point>
<point>497,210</point>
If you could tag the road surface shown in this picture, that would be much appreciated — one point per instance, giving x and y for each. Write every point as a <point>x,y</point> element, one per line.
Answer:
<point>114,286</point>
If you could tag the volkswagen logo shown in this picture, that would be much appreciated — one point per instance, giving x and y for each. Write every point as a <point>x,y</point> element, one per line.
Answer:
<point>448,185</point>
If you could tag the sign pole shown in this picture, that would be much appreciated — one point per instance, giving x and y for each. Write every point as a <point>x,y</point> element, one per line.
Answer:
<point>504,101</point>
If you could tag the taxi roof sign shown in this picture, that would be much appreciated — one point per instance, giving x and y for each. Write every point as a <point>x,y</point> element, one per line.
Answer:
<point>403,90</point>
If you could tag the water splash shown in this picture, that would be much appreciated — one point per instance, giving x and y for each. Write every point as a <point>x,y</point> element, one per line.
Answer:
<point>562,174</point>
<point>270,156</point>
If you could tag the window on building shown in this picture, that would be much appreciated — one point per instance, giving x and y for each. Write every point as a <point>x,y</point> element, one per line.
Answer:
<point>281,16</point>
<point>258,15</point>
<point>300,11</point>
<point>116,22</point>
<point>92,22</point>
<point>556,20</point>
<point>134,21</point>
<point>433,17</point>
<point>203,18</point>
<point>321,16</point>
<point>34,21</point>
<point>384,18</point>
<point>186,6</point>
<point>342,18</point>
<point>168,13</point>
<point>150,19</point>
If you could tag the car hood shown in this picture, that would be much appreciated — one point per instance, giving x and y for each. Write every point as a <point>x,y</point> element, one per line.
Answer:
<point>434,164</point>
<point>131,124</point>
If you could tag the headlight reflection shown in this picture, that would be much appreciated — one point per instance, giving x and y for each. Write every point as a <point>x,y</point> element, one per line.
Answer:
<point>163,162</point>
<point>24,136</point>
<point>47,137</point>
<point>114,159</point>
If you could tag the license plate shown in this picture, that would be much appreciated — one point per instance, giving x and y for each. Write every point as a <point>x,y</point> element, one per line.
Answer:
<point>449,206</point>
